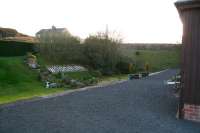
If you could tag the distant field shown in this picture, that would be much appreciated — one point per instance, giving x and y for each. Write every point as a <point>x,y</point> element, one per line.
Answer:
<point>150,46</point>
<point>159,59</point>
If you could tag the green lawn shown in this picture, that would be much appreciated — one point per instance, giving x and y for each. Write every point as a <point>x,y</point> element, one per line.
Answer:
<point>18,82</point>
<point>157,59</point>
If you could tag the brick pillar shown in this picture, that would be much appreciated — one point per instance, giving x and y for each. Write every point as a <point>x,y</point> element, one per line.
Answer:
<point>191,112</point>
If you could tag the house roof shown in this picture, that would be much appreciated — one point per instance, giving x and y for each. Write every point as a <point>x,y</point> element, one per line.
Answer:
<point>53,29</point>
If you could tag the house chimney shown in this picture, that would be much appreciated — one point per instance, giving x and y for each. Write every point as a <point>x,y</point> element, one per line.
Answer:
<point>189,106</point>
<point>53,27</point>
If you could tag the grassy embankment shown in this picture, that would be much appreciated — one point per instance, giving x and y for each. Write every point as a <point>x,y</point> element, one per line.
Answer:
<point>17,81</point>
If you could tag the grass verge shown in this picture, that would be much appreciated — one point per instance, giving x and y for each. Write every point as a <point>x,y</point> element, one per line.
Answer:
<point>18,82</point>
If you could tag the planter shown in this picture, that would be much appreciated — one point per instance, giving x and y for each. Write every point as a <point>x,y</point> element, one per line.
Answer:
<point>145,74</point>
<point>134,76</point>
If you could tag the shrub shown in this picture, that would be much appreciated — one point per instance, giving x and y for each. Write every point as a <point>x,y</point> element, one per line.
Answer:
<point>60,48</point>
<point>96,73</point>
<point>102,53</point>
<point>13,48</point>
<point>30,55</point>
<point>146,67</point>
<point>98,52</point>
<point>125,65</point>
<point>137,53</point>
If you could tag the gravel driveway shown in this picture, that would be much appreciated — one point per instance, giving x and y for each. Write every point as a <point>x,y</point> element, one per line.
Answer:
<point>137,106</point>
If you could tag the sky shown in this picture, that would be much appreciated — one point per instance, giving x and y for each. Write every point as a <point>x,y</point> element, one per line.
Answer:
<point>137,21</point>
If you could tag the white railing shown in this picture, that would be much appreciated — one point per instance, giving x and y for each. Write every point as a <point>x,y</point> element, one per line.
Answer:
<point>68,68</point>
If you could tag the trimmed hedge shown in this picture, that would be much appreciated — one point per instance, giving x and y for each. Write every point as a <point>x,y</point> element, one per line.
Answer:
<point>14,48</point>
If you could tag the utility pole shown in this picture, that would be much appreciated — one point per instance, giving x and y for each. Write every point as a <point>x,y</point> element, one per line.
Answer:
<point>107,32</point>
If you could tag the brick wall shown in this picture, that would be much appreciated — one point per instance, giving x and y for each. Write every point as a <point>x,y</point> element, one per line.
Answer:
<point>191,112</point>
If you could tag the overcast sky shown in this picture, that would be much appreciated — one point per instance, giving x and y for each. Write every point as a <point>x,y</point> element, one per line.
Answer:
<point>136,20</point>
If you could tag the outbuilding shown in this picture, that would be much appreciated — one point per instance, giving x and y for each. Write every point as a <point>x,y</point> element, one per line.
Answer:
<point>189,107</point>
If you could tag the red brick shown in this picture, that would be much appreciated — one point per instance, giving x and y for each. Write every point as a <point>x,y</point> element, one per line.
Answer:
<point>192,112</point>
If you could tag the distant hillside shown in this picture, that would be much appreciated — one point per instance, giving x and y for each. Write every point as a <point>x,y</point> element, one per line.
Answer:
<point>150,46</point>
<point>9,34</point>
<point>158,56</point>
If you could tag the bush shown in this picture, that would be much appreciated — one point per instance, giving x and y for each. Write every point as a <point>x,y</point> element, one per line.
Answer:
<point>137,53</point>
<point>146,67</point>
<point>13,48</point>
<point>30,55</point>
<point>125,65</point>
<point>60,48</point>
<point>102,53</point>
<point>98,52</point>
<point>96,73</point>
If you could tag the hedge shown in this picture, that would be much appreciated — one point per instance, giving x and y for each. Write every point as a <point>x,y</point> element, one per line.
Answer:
<point>14,48</point>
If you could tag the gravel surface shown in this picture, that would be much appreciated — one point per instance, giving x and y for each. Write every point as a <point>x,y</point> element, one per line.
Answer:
<point>137,106</point>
